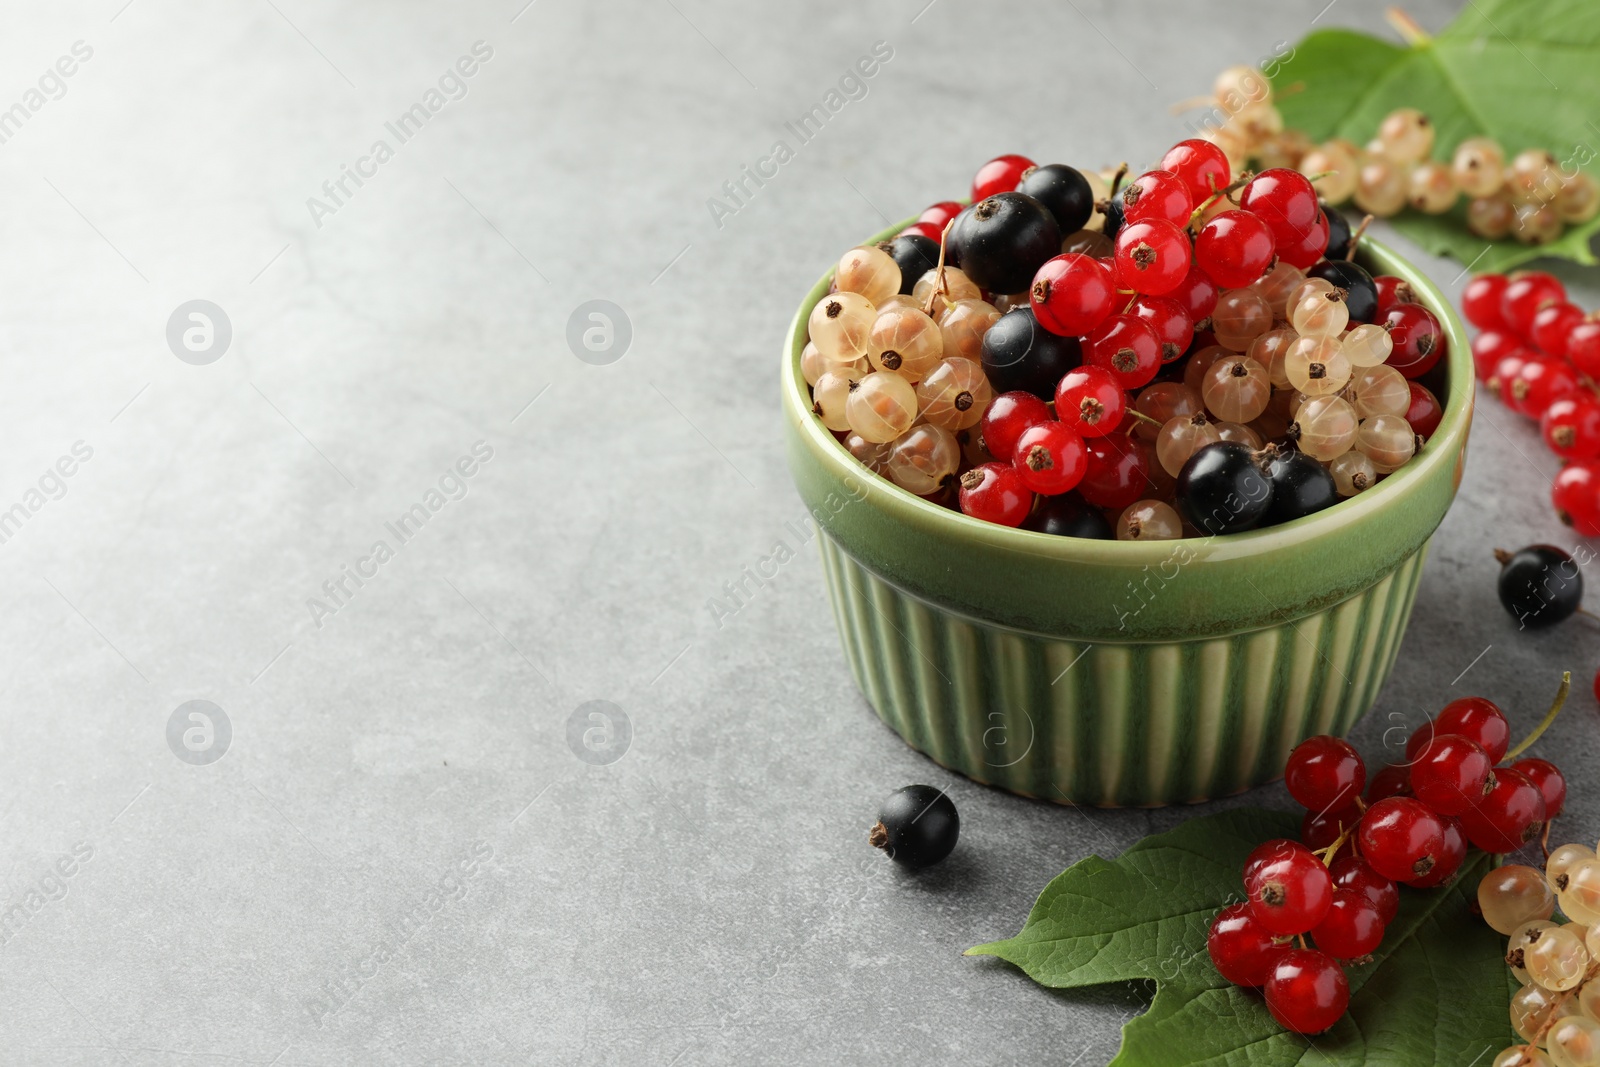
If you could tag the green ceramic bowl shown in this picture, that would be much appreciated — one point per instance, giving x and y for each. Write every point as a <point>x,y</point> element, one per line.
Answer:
<point>1122,673</point>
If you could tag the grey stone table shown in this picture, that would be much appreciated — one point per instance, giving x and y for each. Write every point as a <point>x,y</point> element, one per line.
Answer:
<point>395,212</point>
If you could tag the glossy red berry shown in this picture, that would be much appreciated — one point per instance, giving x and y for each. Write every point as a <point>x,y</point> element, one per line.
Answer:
<point>1007,416</point>
<point>1117,473</point>
<point>1570,426</point>
<point>1091,401</point>
<point>1583,346</point>
<point>1481,301</point>
<point>1234,248</point>
<point>1169,320</point>
<point>1196,294</point>
<point>1480,720</point>
<point>1307,991</point>
<point>1541,380</point>
<point>1392,291</point>
<point>1321,827</point>
<point>1350,871</point>
<point>1306,252</point>
<point>1401,838</point>
<point>1418,339</point>
<point>1000,175</point>
<point>1152,256</point>
<point>1392,780</point>
<point>925,229</point>
<point>1450,856</point>
<point>1242,950</point>
<point>1548,780</point>
<point>995,492</point>
<point>1524,295</point>
<point>1505,372</point>
<point>1286,201</point>
<point>1452,774</point>
<point>1489,347</point>
<point>1325,772</point>
<point>1288,888</point>
<point>1576,496</point>
<point>940,214</point>
<point>1425,412</point>
<point>1351,929</point>
<point>1156,194</point>
<point>1509,817</point>
<point>1202,166</point>
<point>1050,458</point>
<point>1072,294</point>
<point>1127,347</point>
<point>1552,324</point>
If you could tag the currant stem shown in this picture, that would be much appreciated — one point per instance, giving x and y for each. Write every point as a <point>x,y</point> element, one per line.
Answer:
<point>1146,418</point>
<point>1332,850</point>
<point>1406,27</point>
<point>1550,717</point>
<point>941,284</point>
<point>1234,186</point>
<point>1116,179</point>
<point>1355,238</point>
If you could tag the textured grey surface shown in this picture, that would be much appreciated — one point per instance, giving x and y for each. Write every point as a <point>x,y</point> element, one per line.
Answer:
<point>708,898</point>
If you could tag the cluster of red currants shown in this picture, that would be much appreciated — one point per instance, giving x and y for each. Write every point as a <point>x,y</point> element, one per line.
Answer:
<point>1413,828</point>
<point>1540,354</point>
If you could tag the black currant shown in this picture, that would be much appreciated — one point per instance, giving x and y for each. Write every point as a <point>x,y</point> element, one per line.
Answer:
<point>1063,191</point>
<point>1001,242</point>
<point>1361,291</point>
<point>1068,516</point>
<point>915,255</point>
<point>1115,214</point>
<point>1018,353</point>
<point>1539,585</point>
<point>917,826</point>
<point>1338,231</point>
<point>1224,489</point>
<point>1300,486</point>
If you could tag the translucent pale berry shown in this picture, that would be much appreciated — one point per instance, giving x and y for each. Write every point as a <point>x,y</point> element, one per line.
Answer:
<point>1406,135</point>
<point>1532,1010</point>
<point>1236,389</point>
<point>1324,772</point>
<point>841,325</point>
<point>1325,429</point>
<point>1307,992</point>
<point>1242,950</point>
<point>905,341</point>
<point>1149,520</point>
<point>1512,895</point>
<point>1556,958</point>
<point>1352,473</point>
<point>1316,366</point>
<point>870,271</point>
<point>1562,859</point>
<point>1288,888</point>
<point>830,396</point>
<point>962,327</point>
<point>1478,167</point>
<point>1574,1041</point>
<point>922,458</point>
<point>1320,315</point>
<point>1241,315</point>
<point>955,395</point>
<point>882,406</point>
<point>1181,437</point>
<point>1580,901</point>
<point>1379,390</point>
<point>1387,440</point>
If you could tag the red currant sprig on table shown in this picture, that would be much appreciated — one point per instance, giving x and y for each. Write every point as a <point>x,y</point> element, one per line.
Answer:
<point>1339,884</point>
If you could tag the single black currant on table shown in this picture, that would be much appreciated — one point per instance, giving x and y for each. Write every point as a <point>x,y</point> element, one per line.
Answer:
<point>1338,231</point>
<point>1540,585</point>
<point>1001,242</point>
<point>1020,354</point>
<point>1068,516</point>
<point>917,826</point>
<point>1361,291</point>
<point>1223,488</point>
<point>915,255</point>
<point>1063,191</point>
<point>1300,486</point>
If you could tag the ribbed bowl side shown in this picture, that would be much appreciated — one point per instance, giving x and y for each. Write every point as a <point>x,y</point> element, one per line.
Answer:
<point>1114,724</point>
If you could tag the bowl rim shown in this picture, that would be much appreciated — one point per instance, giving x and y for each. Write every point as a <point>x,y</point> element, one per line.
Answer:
<point>1444,447</point>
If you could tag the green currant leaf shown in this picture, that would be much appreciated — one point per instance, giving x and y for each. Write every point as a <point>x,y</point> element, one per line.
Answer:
<point>1435,992</point>
<point>1525,72</point>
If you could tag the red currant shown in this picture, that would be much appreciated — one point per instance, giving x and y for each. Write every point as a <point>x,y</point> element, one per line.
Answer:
<point>1091,401</point>
<point>1127,347</point>
<point>1576,496</point>
<point>1311,247</point>
<point>1169,320</point>
<point>1241,948</point>
<point>1450,857</point>
<point>1392,291</point>
<point>1050,458</point>
<point>1234,248</point>
<point>1480,720</point>
<point>939,215</point>
<point>1157,194</point>
<point>1425,412</point>
<point>1491,346</point>
<point>1571,427</point>
<point>1196,294</point>
<point>1551,326</point>
<point>1452,775</point>
<point>1418,339</point>
<point>1392,780</point>
<point>925,229</point>
<point>1509,816</point>
<point>1152,256</point>
<point>1350,871</point>
<point>1202,166</point>
<point>1583,346</point>
<point>1525,293</point>
<point>1072,294</point>
<point>1117,473</point>
<point>1307,992</point>
<point>1008,415</point>
<point>1288,888</point>
<point>1286,201</point>
<point>1000,175</point>
<point>1481,300</point>
<point>1351,929</point>
<point>1324,772</point>
<point>1400,838</point>
<point>1321,827</point>
<point>1548,780</point>
<point>1506,370</point>
<point>995,492</point>
<point>1540,382</point>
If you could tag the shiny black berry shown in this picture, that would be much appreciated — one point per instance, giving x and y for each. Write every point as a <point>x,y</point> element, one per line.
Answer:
<point>915,254</point>
<point>1018,353</point>
<point>1115,216</point>
<point>1063,191</point>
<point>1539,585</point>
<point>917,826</point>
<point>1068,516</point>
<point>1223,488</point>
<point>1338,231</point>
<point>1300,487</point>
<point>1361,291</point>
<point>1001,242</point>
